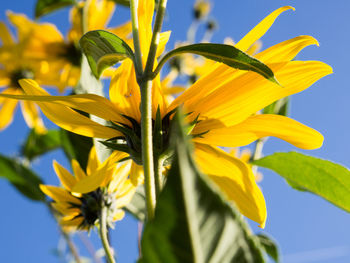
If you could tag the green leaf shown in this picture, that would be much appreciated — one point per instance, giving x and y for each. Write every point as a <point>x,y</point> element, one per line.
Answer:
<point>280,107</point>
<point>44,7</point>
<point>104,49</point>
<point>38,144</point>
<point>193,223</point>
<point>137,205</point>
<point>270,246</point>
<point>26,181</point>
<point>321,177</point>
<point>76,147</point>
<point>226,54</point>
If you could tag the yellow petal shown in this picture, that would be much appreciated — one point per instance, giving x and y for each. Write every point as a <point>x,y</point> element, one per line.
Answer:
<point>122,31</point>
<point>235,179</point>
<point>102,175</point>
<point>67,118</point>
<point>59,194</point>
<point>7,111</point>
<point>66,209</point>
<point>5,35</point>
<point>119,177</point>
<point>118,215</point>
<point>125,193</point>
<point>163,40</point>
<point>66,178</point>
<point>222,74</point>
<point>69,221</point>
<point>259,126</point>
<point>93,162</point>
<point>99,13</point>
<point>89,103</point>
<point>235,101</point>
<point>32,116</point>
<point>136,174</point>
<point>78,172</point>
<point>259,30</point>
<point>286,50</point>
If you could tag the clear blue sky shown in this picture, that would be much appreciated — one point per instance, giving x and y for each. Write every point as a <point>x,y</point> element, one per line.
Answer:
<point>308,228</point>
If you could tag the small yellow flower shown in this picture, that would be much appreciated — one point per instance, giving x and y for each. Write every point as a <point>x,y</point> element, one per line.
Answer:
<point>81,196</point>
<point>221,109</point>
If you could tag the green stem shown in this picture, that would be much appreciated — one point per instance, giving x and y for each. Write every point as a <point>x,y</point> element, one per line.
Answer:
<point>155,37</point>
<point>257,153</point>
<point>147,146</point>
<point>104,236</point>
<point>158,167</point>
<point>136,37</point>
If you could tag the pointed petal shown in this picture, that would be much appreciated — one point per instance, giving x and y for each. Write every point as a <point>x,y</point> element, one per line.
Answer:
<point>89,103</point>
<point>119,177</point>
<point>67,118</point>
<point>122,31</point>
<point>102,175</point>
<point>235,101</point>
<point>235,179</point>
<point>66,178</point>
<point>5,35</point>
<point>259,126</point>
<point>7,111</point>
<point>66,208</point>
<point>223,74</point>
<point>93,162</point>
<point>260,29</point>
<point>32,116</point>
<point>77,171</point>
<point>59,194</point>
<point>69,221</point>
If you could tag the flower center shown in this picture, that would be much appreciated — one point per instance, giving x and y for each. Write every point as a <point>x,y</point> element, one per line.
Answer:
<point>20,74</point>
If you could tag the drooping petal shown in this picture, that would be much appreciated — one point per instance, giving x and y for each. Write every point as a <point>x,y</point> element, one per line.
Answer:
<point>259,126</point>
<point>59,194</point>
<point>235,179</point>
<point>7,111</point>
<point>235,101</point>
<point>32,116</point>
<point>89,103</point>
<point>67,179</point>
<point>70,120</point>
<point>260,29</point>
<point>66,208</point>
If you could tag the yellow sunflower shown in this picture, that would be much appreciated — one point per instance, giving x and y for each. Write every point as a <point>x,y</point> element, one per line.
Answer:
<point>81,196</point>
<point>221,108</point>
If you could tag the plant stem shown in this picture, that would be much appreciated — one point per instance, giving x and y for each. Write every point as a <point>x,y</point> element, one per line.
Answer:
<point>136,37</point>
<point>155,37</point>
<point>147,146</point>
<point>158,168</point>
<point>257,153</point>
<point>71,246</point>
<point>103,234</point>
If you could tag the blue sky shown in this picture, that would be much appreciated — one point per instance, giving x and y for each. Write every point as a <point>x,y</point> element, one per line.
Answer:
<point>308,228</point>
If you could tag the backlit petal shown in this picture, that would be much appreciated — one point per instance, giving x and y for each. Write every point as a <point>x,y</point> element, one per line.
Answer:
<point>7,111</point>
<point>235,101</point>
<point>235,179</point>
<point>32,117</point>
<point>66,178</point>
<point>59,194</point>
<point>260,29</point>
<point>77,171</point>
<point>259,126</point>
<point>93,162</point>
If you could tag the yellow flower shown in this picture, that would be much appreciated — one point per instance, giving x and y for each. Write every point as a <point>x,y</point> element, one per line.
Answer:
<point>221,106</point>
<point>79,199</point>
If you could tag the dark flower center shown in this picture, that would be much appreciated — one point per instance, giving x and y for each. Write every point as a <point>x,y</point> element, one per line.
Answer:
<point>20,74</point>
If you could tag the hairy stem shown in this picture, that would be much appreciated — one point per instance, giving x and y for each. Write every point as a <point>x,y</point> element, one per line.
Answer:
<point>147,147</point>
<point>104,235</point>
<point>155,37</point>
